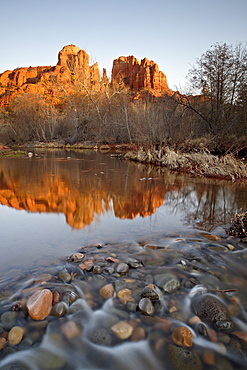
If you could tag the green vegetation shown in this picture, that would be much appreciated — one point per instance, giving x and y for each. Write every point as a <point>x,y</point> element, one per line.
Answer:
<point>12,153</point>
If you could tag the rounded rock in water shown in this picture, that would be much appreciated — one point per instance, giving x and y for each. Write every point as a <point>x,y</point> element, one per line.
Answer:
<point>210,309</point>
<point>183,358</point>
<point>101,336</point>
<point>146,306</point>
<point>168,282</point>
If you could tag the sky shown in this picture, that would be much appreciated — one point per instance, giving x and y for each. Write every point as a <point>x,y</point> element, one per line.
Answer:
<point>172,33</point>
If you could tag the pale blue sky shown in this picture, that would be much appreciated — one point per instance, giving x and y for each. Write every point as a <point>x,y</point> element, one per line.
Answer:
<point>172,33</point>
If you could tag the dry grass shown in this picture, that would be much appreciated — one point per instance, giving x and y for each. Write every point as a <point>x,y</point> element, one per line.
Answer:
<point>199,163</point>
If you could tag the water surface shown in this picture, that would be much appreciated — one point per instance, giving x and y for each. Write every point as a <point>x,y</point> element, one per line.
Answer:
<point>59,203</point>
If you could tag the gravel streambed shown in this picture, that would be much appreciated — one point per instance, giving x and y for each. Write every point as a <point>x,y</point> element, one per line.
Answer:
<point>178,302</point>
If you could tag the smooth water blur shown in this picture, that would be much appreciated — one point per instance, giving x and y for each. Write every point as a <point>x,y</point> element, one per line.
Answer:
<point>54,204</point>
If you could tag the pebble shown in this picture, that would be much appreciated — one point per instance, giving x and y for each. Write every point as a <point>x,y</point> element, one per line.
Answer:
<point>240,334</point>
<point>2,342</point>
<point>122,268</point>
<point>15,335</point>
<point>8,318</point>
<point>150,293</point>
<point>168,282</point>
<point>85,264</point>
<point>138,334</point>
<point>122,330</point>
<point>101,336</point>
<point>132,262</point>
<point>97,269</point>
<point>59,309</point>
<point>107,291</point>
<point>47,360</point>
<point>76,257</point>
<point>64,276</point>
<point>146,307</point>
<point>210,309</point>
<point>39,304</point>
<point>183,358</point>
<point>43,278</point>
<point>70,330</point>
<point>125,295</point>
<point>182,336</point>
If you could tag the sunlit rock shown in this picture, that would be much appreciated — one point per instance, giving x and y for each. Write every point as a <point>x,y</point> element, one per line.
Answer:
<point>39,304</point>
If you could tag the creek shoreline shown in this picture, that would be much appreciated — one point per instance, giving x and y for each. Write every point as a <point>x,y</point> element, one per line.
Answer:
<point>199,162</point>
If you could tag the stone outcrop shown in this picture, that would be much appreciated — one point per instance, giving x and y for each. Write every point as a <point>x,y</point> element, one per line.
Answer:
<point>72,69</point>
<point>73,73</point>
<point>139,75</point>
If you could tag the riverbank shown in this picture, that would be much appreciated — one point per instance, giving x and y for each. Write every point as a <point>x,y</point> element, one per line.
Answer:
<point>198,162</point>
<point>201,163</point>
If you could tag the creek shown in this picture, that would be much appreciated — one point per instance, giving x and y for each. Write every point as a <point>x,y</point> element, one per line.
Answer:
<point>160,283</point>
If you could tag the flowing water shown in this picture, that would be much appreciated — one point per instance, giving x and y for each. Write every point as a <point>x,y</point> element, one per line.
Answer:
<point>160,285</point>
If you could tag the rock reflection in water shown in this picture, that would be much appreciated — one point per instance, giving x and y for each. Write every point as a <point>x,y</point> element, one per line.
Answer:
<point>94,184</point>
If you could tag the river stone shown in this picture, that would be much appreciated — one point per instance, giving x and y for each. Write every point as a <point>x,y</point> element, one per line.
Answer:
<point>150,293</point>
<point>183,358</point>
<point>168,282</point>
<point>76,257</point>
<point>15,335</point>
<point>64,276</point>
<point>146,307</point>
<point>107,291</point>
<point>138,334</point>
<point>59,309</point>
<point>125,295</point>
<point>182,336</point>
<point>132,262</point>
<point>2,343</point>
<point>101,336</point>
<point>43,278</point>
<point>210,309</point>
<point>8,318</point>
<point>47,360</point>
<point>70,330</point>
<point>122,330</point>
<point>224,325</point>
<point>122,268</point>
<point>86,264</point>
<point>39,304</point>
<point>97,269</point>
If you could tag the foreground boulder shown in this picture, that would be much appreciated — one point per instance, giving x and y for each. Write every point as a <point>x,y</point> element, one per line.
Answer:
<point>39,304</point>
<point>211,310</point>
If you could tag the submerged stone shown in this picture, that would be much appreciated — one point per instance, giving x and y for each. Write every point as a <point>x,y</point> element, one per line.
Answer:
<point>101,336</point>
<point>39,304</point>
<point>210,309</point>
<point>182,336</point>
<point>122,330</point>
<point>168,282</point>
<point>146,307</point>
<point>183,358</point>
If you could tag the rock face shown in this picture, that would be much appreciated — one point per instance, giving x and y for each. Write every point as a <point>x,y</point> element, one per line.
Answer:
<point>139,75</point>
<point>72,68</point>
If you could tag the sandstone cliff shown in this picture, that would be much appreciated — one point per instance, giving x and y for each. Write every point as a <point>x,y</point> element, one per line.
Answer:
<point>139,75</point>
<point>73,73</point>
<point>72,69</point>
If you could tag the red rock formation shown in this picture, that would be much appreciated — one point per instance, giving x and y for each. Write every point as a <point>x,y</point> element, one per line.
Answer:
<point>139,75</point>
<point>71,70</point>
